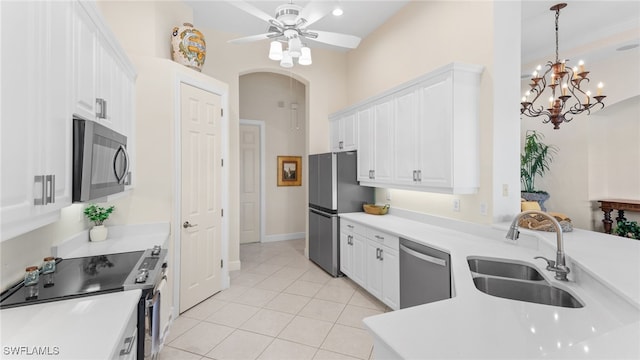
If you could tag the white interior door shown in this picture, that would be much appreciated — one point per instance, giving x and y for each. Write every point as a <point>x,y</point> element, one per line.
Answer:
<point>201,233</point>
<point>250,183</point>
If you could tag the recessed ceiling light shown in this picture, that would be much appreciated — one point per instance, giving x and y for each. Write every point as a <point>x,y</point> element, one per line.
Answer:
<point>337,12</point>
<point>627,47</point>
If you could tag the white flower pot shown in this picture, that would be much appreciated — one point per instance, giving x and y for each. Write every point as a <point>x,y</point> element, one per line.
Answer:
<point>98,233</point>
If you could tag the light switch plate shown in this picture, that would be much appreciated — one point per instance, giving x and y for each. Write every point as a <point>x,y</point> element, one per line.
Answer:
<point>456,205</point>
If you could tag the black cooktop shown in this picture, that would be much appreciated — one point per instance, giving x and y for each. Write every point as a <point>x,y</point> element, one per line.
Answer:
<point>77,277</point>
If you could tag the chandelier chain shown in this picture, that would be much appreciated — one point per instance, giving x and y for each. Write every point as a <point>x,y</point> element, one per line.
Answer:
<point>557,16</point>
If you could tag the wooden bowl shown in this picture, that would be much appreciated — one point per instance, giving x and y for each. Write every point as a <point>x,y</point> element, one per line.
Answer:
<point>375,209</point>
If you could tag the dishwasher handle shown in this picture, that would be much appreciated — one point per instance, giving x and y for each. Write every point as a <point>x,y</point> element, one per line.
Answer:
<point>424,257</point>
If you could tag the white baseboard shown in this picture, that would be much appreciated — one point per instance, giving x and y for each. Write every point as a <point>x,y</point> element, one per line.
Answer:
<point>284,237</point>
<point>234,265</point>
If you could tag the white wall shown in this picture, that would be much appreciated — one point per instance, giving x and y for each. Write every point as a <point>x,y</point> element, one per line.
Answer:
<point>260,95</point>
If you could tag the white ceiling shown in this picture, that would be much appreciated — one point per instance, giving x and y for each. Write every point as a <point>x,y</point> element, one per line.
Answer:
<point>587,27</point>
<point>360,17</point>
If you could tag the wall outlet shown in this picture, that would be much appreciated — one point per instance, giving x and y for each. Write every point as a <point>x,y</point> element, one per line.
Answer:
<point>483,209</point>
<point>456,205</point>
<point>505,190</point>
<point>388,193</point>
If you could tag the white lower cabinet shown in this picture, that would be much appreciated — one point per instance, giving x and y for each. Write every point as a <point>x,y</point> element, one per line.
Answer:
<point>352,252</point>
<point>371,259</point>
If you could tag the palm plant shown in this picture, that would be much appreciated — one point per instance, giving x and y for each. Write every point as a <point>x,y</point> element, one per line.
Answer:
<point>535,160</point>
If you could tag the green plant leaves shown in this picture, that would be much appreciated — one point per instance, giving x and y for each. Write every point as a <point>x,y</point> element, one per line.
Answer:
<point>98,214</point>
<point>535,159</point>
<point>629,229</point>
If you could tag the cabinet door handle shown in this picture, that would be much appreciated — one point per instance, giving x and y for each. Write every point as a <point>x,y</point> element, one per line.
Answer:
<point>40,179</point>
<point>341,144</point>
<point>101,108</point>
<point>415,175</point>
<point>381,258</point>
<point>50,189</point>
<point>419,175</point>
<point>350,226</point>
<point>379,237</point>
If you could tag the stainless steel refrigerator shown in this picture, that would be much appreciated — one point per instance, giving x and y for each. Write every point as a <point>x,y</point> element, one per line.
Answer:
<point>333,189</point>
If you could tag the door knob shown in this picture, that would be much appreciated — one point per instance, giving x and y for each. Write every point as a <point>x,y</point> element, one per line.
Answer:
<point>186,224</point>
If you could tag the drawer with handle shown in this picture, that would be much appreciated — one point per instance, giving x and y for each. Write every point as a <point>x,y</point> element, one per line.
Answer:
<point>352,227</point>
<point>384,238</point>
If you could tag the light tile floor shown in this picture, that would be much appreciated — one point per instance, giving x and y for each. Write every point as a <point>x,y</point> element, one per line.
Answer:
<point>279,306</point>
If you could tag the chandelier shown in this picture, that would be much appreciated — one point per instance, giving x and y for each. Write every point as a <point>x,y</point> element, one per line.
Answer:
<point>295,50</point>
<point>570,99</point>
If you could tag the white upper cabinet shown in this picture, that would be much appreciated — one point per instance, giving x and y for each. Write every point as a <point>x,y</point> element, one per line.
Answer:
<point>36,122</point>
<point>48,72</point>
<point>375,143</point>
<point>423,135</point>
<point>366,145</point>
<point>85,63</point>
<point>344,133</point>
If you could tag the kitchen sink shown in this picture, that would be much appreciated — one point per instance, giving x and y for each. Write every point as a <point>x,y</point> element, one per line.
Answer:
<point>530,291</point>
<point>503,269</point>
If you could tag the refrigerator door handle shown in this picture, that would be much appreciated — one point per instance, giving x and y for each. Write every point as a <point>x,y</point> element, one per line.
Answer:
<point>320,213</point>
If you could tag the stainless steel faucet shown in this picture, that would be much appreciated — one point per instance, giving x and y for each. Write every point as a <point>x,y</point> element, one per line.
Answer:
<point>559,266</point>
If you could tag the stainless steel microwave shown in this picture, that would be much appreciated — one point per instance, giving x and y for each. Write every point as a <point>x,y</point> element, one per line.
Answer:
<point>100,161</point>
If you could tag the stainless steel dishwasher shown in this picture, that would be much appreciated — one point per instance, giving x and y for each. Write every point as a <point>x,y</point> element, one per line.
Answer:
<point>425,274</point>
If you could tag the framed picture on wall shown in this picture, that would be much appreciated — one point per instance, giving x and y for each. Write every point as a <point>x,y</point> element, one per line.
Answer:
<point>289,170</point>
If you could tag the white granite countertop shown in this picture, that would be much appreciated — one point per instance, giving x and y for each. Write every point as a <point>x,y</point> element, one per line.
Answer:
<point>604,276</point>
<point>122,238</point>
<point>85,328</point>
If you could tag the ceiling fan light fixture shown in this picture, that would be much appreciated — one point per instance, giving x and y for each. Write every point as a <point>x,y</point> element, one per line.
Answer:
<point>287,60</point>
<point>305,57</point>
<point>275,51</point>
<point>295,47</point>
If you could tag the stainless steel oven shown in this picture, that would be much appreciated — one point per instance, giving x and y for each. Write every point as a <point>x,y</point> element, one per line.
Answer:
<point>149,275</point>
<point>108,273</point>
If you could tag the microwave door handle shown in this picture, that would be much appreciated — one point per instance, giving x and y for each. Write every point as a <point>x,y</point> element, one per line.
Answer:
<point>127,163</point>
<point>115,164</point>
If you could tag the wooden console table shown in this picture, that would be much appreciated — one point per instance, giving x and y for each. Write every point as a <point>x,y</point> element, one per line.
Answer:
<point>621,205</point>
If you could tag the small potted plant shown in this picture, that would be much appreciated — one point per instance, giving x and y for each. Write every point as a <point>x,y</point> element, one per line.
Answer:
<point>629,229</point>
<point>98,215</point>
<point>534,161</point>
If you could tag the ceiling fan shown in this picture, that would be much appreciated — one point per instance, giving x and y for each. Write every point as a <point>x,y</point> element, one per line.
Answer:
<point>291,22</point>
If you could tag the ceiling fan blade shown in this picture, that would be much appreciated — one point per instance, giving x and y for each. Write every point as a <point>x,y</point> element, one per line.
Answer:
<point>331,38</point>
<point>254,11</point>
<point>251,38</point>
<point>314,11</point>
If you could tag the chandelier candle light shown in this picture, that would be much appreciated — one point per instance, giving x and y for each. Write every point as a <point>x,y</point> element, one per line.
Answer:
<point>570,80</point>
